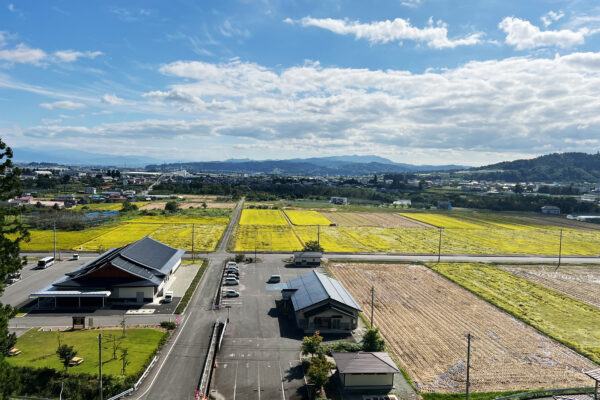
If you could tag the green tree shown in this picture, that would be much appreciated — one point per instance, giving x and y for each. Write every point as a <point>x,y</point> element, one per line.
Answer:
<point>318,372</point>
<point>125,361</point>
<point>172,206</point>
<point>65,354</point>
<point>204,205</point>
<point>518,189</point>
<point>128,206</point>
<point>312,245</point>
<point>12,233</point>
<point>372,340</point>
<point>312,344</point>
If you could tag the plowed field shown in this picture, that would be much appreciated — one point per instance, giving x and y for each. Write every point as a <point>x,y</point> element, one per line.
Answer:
<point>383,220</point>
<point>424,319</point>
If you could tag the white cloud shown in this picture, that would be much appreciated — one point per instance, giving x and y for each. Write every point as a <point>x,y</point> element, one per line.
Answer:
<point>72,55</point>
<point>11,7</point>
<point>435,35</point>
<point>411,3</point>
<point>112,99</point>
<point>523,35</point>
<point>551,17</point>
<point>22,54</point>
<point>228,30</point>
<point>49,121</point>
<point>64,104</point>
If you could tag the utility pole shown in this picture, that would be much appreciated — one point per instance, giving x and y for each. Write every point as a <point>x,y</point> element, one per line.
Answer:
<point>559,251</point>
<point>192,242</point>
<point>468,364</point>
<point>372,303</point>
<point>440,246</point>
<point>100,362</point>
<point>319,235</point>
<point>255,240</point>
<point>55,240</point>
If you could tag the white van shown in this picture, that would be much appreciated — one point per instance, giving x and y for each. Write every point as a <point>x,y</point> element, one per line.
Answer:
<point>230,281</point>
<point>45,262</point>
<point>168,297</point>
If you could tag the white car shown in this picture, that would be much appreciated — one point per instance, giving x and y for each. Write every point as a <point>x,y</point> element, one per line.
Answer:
<point>231,264</point>
<point>231,282</point>
<point>231,293</point>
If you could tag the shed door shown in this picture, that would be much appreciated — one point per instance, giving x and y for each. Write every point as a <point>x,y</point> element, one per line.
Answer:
<point>140,297</point>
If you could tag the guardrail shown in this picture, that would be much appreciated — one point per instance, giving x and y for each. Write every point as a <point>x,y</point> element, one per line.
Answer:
<point>546,393</point>
<point>123,394</point>
<point>213,348</point>
<point>219,294</point>
<point>138,383</point>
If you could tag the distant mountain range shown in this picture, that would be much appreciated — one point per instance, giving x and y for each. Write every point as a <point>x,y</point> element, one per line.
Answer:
<point>556,167</point>
<point>337,165</point>
<point>78,157</point>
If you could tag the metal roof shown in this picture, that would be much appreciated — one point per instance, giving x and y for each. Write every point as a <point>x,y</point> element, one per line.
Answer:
<point>594,374</point>
<point>153,254</point>
<point>312,254</point>
<point>50,291</point>
<point>314,287</point>
<point>365,363</point>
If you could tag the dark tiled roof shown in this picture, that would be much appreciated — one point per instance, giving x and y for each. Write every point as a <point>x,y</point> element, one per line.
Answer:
<point>146,259</point>
<point>365,363</point>
<point>311,254</point>
<point>314,287</point>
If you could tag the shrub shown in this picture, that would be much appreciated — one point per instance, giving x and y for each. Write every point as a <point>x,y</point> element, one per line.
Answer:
<point>239,258</point>
<point>341,347</point>
<point>169,325</point>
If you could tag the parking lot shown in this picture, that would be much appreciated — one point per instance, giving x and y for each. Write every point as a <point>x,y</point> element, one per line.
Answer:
<point>34,279</point>
<point>260,353</point>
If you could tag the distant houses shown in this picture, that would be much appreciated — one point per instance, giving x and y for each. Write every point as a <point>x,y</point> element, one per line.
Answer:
<point>444,205</point>
<point>550,210</point>
<point>339,201</point>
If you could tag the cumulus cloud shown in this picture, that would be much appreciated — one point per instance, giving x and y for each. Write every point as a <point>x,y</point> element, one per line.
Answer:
<point>411,3</point>
<point>550,17</point>
<point>112,99</point>
<point>435,35</point>
<point>22,54</point>
<point>63,104</point>
<point>72,55</point>
<point>523,35</point>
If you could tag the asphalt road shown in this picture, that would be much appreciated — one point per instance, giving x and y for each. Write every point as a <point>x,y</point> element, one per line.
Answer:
<point>259,358</point>
<point>177,373</point>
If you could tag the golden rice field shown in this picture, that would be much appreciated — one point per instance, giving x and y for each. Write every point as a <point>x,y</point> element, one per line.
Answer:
<point>581,282</point>
<point>561,317</point>
<point>157,219</point>
<point>424,319</point>
<point>108,206</point>
<point>265,238</point>
<point>206,237</point>
<point>263,217</point>
<point>306,217</point>
<point>383,220</point>
<point>442,221</point>
<point>119,236</point>
<point>44,240</point>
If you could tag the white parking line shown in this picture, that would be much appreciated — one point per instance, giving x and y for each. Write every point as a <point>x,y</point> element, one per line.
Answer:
<point>281,376</point>
<point>258,370</point>
<point>235,380</point>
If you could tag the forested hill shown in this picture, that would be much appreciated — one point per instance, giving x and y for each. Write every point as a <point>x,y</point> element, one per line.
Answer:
<point>556,167</point>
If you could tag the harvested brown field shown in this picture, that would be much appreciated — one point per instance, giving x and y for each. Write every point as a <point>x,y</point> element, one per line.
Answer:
<point>579,282</point>
<point>160,205</point>
<point>560,222</point>
<point>383,220</point>
<point>424,319</point>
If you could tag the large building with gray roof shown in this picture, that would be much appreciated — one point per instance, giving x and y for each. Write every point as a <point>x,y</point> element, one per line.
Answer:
<point>321,303</point>
<point>137,272</point>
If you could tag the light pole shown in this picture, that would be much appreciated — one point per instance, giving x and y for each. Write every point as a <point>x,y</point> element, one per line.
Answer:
<point>440,246</point>
<point>100,362</point>
<point>372,303</point>
<point>559,251</point>
<point>468,364</point>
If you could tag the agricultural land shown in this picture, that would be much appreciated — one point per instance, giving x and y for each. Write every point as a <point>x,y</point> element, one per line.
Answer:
<point>424,318</point>
<point>563,318</point>
<point>581,282</point>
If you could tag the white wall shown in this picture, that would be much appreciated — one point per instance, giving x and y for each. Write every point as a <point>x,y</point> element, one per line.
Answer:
<point>131,292</point>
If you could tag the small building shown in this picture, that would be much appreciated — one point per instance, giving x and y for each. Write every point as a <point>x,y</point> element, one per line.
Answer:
<point>444,205</point>
<point>307,258</point>
<point>550,210</point>
<point>90,190</point>
<point>137,272</point>
<point>320,303</point>
<point>365,371</point>
<point>402,203</point>
<point>339,201</point>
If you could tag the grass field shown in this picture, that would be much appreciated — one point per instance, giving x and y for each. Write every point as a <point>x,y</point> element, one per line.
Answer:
<point>306,217</point>
<point>267,238</point>
<point>39,349</point>
<point>263,217</point>
<point>424,319</point>
<point>565,319</point>
<point>581,282</point>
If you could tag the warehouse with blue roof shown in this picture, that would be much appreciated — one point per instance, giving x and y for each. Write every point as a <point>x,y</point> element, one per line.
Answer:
<point>320,303</point>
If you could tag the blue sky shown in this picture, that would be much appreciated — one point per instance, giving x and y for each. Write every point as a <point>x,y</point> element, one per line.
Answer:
<point>416,81</point>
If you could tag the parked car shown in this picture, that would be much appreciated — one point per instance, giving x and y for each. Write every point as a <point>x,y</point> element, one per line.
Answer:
<point>232,271</point>
<point>231,293</point>
<point>231,264</point>
<point>168,297</point>
<point>274,279</point>
<point>234,276</point>
<point>75,256</point>
<point>231,281</point>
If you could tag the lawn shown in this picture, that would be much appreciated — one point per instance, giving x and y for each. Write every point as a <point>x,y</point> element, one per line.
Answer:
<point>567,320</point>
<point>263,217</point>
<point>306,217</point>
<point>39,349</point>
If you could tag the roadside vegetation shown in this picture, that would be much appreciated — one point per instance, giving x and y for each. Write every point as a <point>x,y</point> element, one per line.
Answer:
<point>191,289</point>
